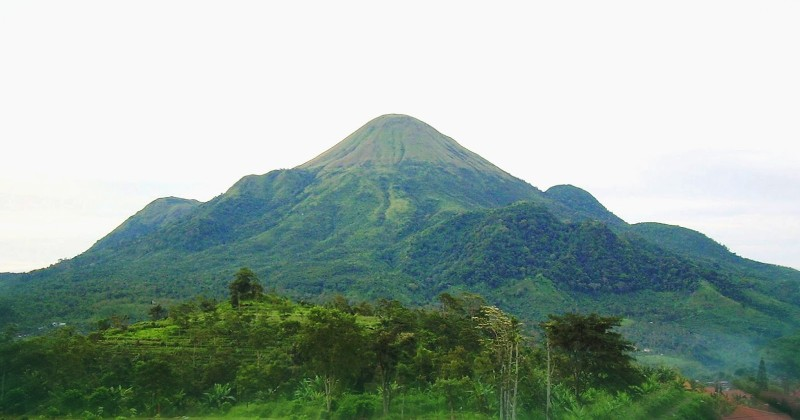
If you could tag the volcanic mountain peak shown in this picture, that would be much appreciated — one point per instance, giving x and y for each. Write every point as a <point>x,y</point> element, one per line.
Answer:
<point>393,139</point>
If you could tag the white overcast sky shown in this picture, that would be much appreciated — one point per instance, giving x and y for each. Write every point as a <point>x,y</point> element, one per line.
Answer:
<point>680,112</point>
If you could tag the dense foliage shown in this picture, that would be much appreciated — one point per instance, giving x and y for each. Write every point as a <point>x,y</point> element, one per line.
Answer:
<point>523,240</point>
<point>785,355</point>
<point>594,353</point>
<point>520,257</point>
<point>270,357</point>
<point>399,211</point>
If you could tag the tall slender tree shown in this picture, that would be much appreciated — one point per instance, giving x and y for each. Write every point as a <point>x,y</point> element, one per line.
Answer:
<point>501,339</point>
<point>393,341</point>
<point>761,378</point>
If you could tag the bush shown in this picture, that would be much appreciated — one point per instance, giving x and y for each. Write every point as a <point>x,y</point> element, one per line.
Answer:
<point>353,406</point>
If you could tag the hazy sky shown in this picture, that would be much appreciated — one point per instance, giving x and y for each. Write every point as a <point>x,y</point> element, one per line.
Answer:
<point>680,112</point>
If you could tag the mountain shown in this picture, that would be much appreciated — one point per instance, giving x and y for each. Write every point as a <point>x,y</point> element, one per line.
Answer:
<point>399,210</point>
<point>392,140</point>
<point>153,217</point>
<point>573,203</point>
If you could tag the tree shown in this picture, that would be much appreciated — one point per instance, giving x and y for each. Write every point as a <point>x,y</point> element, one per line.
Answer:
<point>453,390</point>
<point>591,352</point>
<point>761,378</point>
<point>332,345</point>
<point>120,321</point>
<point>245,286</point>
<point>549,376</point>
<point>157,377</point>
<point>393,340</point>
<point>157,312</point>
<point>6,350</point>
<point>501,340</point>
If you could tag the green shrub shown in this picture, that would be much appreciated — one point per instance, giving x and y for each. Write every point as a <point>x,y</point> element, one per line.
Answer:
<point>352,406</point>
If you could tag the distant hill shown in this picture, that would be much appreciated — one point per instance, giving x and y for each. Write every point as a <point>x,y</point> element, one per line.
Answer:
<point>573,203</point>
<point>153,217</point>
<point>399,210</point>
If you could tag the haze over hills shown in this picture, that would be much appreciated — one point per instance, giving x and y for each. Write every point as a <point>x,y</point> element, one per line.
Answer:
<point>399,210</point>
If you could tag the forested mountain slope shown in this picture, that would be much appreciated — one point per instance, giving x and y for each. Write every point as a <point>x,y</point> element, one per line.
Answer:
<point>399,210</point>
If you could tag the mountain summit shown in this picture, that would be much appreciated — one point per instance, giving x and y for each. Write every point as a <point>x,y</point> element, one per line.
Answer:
<point>394,139</point>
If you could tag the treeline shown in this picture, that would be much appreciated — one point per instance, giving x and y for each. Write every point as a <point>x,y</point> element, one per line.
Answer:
<point>264,355</point>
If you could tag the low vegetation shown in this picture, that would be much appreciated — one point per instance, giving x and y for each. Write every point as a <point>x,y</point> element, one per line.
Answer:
<point>262,355</point>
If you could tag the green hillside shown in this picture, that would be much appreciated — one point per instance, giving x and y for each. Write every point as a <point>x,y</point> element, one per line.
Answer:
<point>573,203</point>
<point>398,210</point>
<point>154,216</point>
<point>269,357</point>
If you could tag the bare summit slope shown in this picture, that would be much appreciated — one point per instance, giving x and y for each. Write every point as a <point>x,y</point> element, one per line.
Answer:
<point>394,139</point>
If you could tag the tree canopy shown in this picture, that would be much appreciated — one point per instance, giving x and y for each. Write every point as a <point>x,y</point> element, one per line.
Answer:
<point>276,358</point>
<point>245,286</point>
<point>591,352</point>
